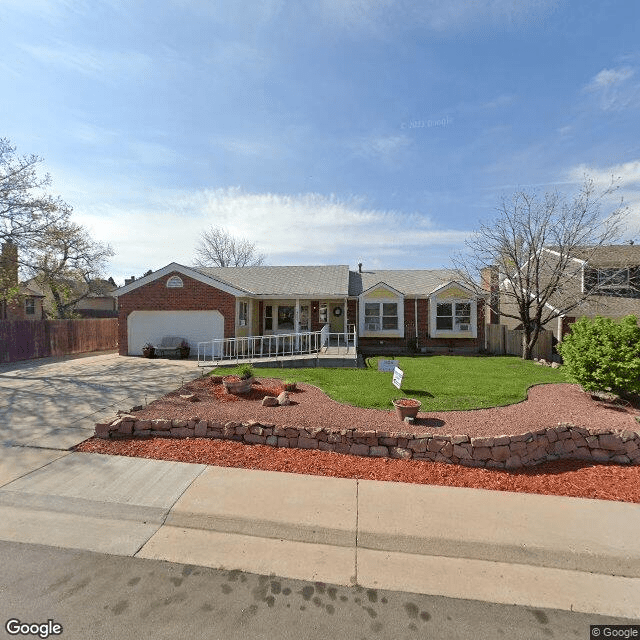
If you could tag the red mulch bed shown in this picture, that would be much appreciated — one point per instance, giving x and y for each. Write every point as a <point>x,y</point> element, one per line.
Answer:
<point>561,478</point>
<point>545,404</point>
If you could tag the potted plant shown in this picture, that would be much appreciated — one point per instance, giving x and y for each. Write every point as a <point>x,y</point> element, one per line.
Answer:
<point>289,385</point>
<point>240,383</point>
<point>148,351</point>
<point>406,407</point>
<point>185,349</point>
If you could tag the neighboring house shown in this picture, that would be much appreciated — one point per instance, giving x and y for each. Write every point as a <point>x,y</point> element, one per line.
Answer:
<point>614,271</point>
<point>391,311</point>
<point>28,306</point>
<point>100,302</point>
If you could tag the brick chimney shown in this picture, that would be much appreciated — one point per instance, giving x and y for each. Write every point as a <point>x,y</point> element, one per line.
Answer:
<point>490,283</point>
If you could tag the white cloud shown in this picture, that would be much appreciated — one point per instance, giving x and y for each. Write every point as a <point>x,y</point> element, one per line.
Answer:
<point>626,181</point>
<point>615,89</point>
<point>158,227</point>
<point>90,61</point>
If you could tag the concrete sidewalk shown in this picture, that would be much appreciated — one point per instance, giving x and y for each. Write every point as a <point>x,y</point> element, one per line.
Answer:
<point>550,552</point>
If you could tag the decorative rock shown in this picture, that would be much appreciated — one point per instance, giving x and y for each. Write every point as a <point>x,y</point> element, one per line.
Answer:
<point>500,454</point>
<point>272,441</point>
<point>400,453</point>
<point>379,452</point>
<point>181,432</point>
<point>200,430</point>
<point>190,397</point>
<point>283,399</point>
<point>409,420</point>
<point>159,424</point>
<point>611,442</point>
<point>270,401</point>
<point>358,450</point>
<point>102,430</point>
<point>252,438</point>
<point>308,443</point>
<point>461,452</point>
<point>481,453</point>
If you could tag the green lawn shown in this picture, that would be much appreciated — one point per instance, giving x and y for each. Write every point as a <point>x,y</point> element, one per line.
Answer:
<point>441,383</point>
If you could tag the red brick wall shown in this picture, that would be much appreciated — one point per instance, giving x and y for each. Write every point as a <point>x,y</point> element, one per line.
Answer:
<point>193,296</point>
<point>351,312</point>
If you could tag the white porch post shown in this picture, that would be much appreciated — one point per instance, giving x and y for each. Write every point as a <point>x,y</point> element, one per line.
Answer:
<point>296,323</point>
<point>346,326</point>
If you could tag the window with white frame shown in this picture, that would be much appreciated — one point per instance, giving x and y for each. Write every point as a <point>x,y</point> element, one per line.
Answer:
<point>613,281</point>
<point>453,316</point>
<point>30,306</point>
<point>268,317</point>
<point>175,282</point>
<point>243,313</point>
<point>286,317</point>
<point>380,316</point>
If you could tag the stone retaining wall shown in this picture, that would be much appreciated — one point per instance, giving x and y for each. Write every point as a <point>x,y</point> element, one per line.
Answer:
<point>510,452</point>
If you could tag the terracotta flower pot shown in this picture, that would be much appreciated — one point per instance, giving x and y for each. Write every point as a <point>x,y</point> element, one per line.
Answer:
<point>236,385</point>
<point>406,407</point>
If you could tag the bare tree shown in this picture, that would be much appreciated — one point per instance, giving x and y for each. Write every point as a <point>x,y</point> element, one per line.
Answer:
<point>68,265</point>
<point>218,248</point>
<point>531,246</point>
<point>26,210</point>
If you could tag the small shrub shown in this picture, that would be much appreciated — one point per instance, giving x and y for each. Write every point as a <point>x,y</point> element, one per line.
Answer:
<point>245,372</point>
<point>603,355</point>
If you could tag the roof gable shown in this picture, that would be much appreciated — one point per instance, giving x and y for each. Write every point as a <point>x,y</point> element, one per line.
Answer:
<point>382,290</point>
<point>453,289</point>
<point>174,267</point>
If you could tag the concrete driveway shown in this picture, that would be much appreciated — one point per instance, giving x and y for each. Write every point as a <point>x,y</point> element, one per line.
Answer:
<point>49,405</point>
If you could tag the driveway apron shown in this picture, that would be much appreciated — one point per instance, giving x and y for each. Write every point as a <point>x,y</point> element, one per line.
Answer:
<point>47,406</point>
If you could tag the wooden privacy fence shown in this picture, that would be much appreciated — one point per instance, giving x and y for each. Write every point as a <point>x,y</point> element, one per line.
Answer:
<point>27,339</point>
<point>502,341</point>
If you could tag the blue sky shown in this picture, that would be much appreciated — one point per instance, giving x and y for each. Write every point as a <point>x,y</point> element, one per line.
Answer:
<point>333,131</point>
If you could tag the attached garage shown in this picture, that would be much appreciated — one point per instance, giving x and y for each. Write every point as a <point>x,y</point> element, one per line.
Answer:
<point>152,326</point>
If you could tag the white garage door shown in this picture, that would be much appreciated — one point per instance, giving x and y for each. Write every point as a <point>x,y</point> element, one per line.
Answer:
<point>152,326</point>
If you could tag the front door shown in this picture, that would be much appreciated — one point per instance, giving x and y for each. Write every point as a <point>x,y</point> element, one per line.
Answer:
<point>336,317</point>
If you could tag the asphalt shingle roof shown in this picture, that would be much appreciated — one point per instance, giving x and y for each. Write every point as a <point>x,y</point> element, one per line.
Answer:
<point>327,280</point>
<point>410,282</point>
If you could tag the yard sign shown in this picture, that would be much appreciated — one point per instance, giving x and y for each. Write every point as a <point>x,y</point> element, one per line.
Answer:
<point>387,365</point>
<point>397,377</point>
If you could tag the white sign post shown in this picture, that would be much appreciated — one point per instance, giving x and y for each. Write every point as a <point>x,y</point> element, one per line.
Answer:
<point>397,377</point>
<point>387,365</point>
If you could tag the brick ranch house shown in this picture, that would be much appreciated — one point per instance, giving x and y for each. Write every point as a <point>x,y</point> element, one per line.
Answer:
<point>391,311</point>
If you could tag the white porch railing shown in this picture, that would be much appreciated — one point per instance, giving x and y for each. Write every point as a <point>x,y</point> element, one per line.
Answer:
<point>225,350</point>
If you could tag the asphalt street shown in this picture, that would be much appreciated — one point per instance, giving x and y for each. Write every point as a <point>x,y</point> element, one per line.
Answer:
<point>96,596</point>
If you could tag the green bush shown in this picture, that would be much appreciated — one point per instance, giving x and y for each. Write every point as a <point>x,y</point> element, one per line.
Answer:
<point>603,355</point>
<point>246,371</point>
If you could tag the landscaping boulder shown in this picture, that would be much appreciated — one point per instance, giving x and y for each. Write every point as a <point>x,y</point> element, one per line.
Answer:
<point>283,399</point>
<point>270,401</point>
